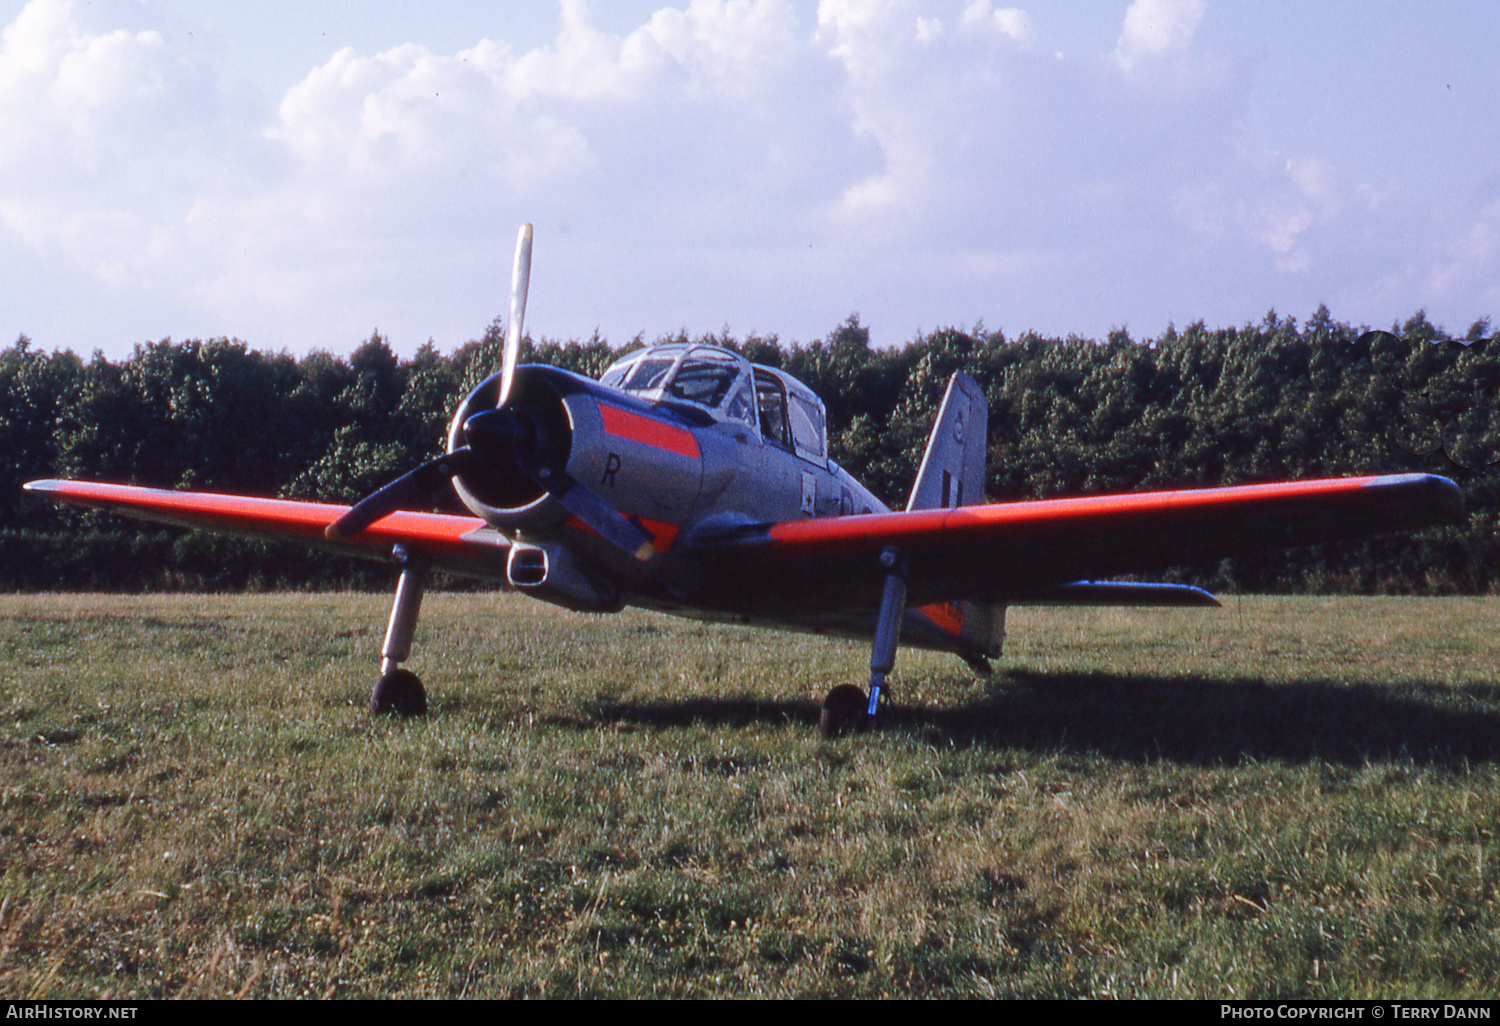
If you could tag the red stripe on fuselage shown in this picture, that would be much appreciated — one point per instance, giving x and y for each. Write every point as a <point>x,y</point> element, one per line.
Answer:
<point>662,533</point>
<point>648,431</point>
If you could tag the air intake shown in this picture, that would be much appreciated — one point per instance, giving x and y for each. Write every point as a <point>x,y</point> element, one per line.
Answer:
<point>526,567</point>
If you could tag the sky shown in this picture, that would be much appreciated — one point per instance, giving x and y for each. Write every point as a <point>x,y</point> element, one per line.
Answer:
<point>299,175</point>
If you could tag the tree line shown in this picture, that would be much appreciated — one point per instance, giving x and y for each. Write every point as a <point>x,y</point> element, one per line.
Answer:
<point>1276,400</point>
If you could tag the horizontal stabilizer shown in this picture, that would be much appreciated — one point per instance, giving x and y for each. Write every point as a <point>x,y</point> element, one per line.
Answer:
<point>1117,593</point>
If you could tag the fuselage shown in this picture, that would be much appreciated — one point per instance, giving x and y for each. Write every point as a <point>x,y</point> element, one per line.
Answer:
<point>686,441</point>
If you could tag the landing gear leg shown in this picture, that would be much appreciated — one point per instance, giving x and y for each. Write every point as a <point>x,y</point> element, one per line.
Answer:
<point>887,629</point>
<point>847,707</point>
<point>399,691</point>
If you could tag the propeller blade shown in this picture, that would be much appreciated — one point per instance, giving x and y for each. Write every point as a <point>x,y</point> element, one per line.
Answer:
<point>598,515</point>
<point>415,488</point>
<point>520,283</point>
<point>496,435</point>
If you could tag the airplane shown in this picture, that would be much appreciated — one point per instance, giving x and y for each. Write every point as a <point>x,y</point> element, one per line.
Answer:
<point>690,481</point>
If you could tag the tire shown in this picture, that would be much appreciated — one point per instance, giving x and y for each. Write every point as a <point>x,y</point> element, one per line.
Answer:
<point>398,693</point>
<point>843,711</point>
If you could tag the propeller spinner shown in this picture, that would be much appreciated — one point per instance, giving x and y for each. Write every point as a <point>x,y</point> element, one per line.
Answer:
<point>500,441</point>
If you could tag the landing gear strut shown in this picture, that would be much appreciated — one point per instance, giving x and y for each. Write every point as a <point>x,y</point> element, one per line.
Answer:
<point>400,692</point>
<point>847,707</point>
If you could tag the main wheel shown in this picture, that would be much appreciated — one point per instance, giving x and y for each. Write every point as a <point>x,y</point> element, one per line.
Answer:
<point>843,710</point>
<point>398,693</point>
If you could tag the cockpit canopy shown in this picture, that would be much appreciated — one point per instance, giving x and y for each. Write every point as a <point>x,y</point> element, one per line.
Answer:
<point>725,384</point>
<point>708,377</point>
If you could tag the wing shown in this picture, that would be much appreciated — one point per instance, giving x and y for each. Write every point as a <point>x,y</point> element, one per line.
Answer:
<point>460,544</point>
<point>1020,551</point>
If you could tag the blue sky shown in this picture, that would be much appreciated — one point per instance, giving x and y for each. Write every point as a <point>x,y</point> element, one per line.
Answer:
<point>298,175</point>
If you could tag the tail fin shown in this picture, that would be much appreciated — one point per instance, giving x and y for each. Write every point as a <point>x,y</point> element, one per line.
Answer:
<point>953,469</point>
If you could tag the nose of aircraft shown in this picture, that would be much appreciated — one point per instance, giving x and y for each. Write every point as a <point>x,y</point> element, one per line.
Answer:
<point>496,434</point>
<point>502,439</point>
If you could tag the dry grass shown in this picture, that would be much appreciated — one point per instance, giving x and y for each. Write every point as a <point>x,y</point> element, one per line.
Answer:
<point>1286,797</point>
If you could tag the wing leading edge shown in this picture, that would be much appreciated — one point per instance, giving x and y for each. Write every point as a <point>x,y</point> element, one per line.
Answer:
<point>1020,551</point>
<point>463,544</point>
<point>1050,551</point>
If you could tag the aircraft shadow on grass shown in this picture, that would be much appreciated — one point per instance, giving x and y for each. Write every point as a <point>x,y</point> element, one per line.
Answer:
<point>1150,718</point>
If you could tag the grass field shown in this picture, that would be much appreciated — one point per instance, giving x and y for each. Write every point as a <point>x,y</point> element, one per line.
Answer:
<point>1284,797</point>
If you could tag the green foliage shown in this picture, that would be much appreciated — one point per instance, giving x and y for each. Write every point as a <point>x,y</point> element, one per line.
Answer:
<point>1200,407</point>
<point>35,390</point>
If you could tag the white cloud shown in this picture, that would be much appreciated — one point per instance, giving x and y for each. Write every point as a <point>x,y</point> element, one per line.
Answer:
<point>988,143</point>
<point>1010,21</point>
<point>923,161</point>
<point>1158,28</point>
<point>1318,181</point>
<point>109,134</point>
<point>408,114</point>
<point>1471,262</point>
<point>730,41</point>
<point>589,105</point>
<point>123,150</point>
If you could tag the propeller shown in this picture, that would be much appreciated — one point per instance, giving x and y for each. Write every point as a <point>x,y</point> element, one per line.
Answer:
<point>497,439</point>
<point>415,488</point>
<point>520,283</point>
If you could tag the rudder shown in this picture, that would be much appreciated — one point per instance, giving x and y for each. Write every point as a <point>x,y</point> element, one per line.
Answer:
<point>953,467</point>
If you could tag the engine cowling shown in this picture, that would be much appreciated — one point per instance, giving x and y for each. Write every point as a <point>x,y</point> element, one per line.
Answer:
<point>566,449</point>
<point>537,428</point>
